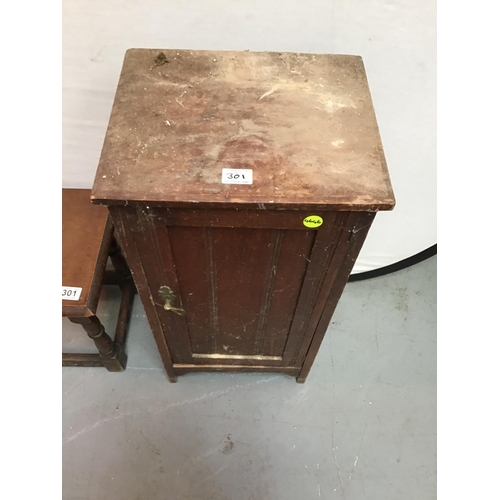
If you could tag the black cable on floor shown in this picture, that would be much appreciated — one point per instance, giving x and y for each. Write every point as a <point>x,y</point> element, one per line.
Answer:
<point>397,266</point>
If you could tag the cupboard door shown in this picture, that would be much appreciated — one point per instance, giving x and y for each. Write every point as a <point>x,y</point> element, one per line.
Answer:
<point>245,285</point>
<point>239,287</point>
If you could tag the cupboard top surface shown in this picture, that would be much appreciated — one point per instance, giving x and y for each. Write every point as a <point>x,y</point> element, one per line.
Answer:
<point>303,123</point>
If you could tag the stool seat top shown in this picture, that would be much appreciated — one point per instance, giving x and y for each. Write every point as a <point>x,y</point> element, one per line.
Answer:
<point>303,124</point>
<point>86,238</point>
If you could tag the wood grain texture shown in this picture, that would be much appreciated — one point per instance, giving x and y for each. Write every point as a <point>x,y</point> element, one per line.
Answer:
<point>126,240</point>
<point>288,370</point>
<point>113,356</point>
<point>336,279</point>
<point>95,330</point>
<point>124,313</point>
<point>85,360</point>
<point>267,295</point>
<point>290,269</point>
<point>243,258</point>
<point>239,287</point>
<point>87,242</point>
<point>153,245</point>
<point>304,123</point>
<point>254,297</point>
<point>263,217</point>
<point>86,238</point>
<point>254,287</point>
<point>310,296</point>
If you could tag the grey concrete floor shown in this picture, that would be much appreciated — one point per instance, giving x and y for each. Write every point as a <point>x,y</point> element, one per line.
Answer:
<point>362,426</point>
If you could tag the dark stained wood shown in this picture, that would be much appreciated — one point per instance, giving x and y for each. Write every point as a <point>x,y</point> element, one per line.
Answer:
<point>95,330</point>
<point>304,123</point>
<point>321,255</point>
<point>87,243</point>
<point>153,245</point>
<point>287,370</point>
<point>192,254</point>
<point>112,353</point>
<point>113,359</point>
<point>294,260</point>
<point>111,277</point>
<point>348,234</point>
<point>86,236</point>
<point>260,218</point>
<point>85,360</point>
<point>122,323</point>
<point>127,243</point>
<point>240,295</point>
<point>337,278</point>
<point>267,295</point>
<point>243,274</point>
<point>250,287</point>
<point>119,262</point>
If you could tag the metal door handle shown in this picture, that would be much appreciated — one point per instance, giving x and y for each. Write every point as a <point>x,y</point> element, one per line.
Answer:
<point>167,296</point>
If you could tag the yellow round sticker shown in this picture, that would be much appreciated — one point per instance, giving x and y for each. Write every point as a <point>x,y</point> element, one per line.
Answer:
<point>313,221</point>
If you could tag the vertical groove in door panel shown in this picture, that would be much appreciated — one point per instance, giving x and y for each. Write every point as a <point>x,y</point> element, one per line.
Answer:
<point>341,266</point>
<point>160,267</point>
<point>243,260</point>
<point>294,258</point>
<point>343,225</point>
<point>259,290</point>
<point>189,253</point>
<point>321,255</point>
<point>175,323</point>
<point>269,287</point>
<point>133,255</point>
<point>162,273</point>
<point>248,292</point>
<point>212,282</point>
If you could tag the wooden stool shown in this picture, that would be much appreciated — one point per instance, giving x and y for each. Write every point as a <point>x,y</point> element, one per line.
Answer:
<point>86,244</point>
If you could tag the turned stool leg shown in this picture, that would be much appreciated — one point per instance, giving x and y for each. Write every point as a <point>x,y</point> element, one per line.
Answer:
<point>113,359</point>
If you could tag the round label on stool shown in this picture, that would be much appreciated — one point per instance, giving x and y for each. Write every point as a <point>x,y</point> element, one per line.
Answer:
<point>313,221</point>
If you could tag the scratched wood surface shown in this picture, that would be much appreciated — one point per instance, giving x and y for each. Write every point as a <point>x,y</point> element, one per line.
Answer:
<point>239,291</point>
<point>253,296</point>
<point>304,123</point>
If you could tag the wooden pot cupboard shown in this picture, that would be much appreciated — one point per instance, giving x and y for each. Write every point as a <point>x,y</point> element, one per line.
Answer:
<point>241,186</point>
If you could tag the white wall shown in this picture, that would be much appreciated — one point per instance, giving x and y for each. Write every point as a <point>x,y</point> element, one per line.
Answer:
<point>396,38</point>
